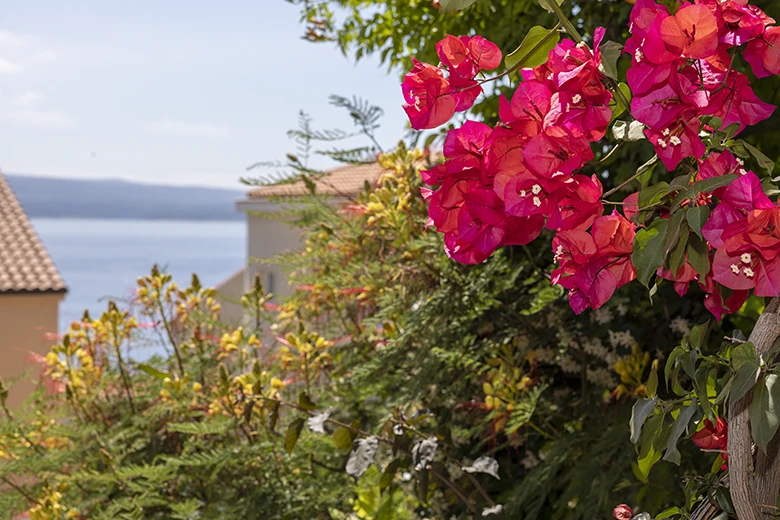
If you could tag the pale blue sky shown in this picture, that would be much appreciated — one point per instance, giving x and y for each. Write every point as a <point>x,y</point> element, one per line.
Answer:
<point>175,92</point>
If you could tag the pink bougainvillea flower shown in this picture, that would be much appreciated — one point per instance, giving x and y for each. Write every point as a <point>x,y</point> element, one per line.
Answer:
<point>713,437</point>
<point>763,53</point>
<point>749,257</point>
<point>526,112</point>
<point>556,152</point>
<point>692,32</point>
<point>737,103</point>
<point>685,275</point>
<point>465,92</point>
<point>462,251</point>
<point>678,140</point>
<point>741,197</point>
<point>718,164</point>
<point>579,207</point>
<point>522,231</point>
<point>429,100</point>
<point>593,265</point>
<point>579,116</point>
<point>466,56</point>
<point>622,512</point>
<point>631,206</point>
<point>720,301</point>
<point>645,77</point>
<point>741,22</point>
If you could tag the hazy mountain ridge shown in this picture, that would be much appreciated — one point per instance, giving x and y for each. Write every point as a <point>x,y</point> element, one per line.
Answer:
<point>114,199</point>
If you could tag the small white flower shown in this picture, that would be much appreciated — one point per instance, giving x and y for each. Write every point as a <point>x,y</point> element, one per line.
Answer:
<point>748,272</point>
<point>666,132</point>
<point>417,103</point>
<point>662,144</point>
<point>674,140</point>
<point>398,429</point>
<point>742,171</point>
<point>735,268</point>
<point>576,99</point>
<point>536,189</point>
<point>740,162</point>
<point>406,476</point>
<point>638,55</point>
<point>582,45</point>
<point>537,202</point>
<point>522,193</point>
<point>746,258</point>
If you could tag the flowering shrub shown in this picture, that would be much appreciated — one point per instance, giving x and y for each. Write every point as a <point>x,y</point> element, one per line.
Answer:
<point>500,186</point>
<point>711,222</point>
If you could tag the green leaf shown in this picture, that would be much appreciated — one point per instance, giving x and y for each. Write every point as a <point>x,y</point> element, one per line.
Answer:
<point>666,513</point>
<point>678,350</point>
<point>764,418</point>
<point>699,334</point>
<point>342,437</point>
<point>652,382</point>
<point>763,161</point>
<point>547,7</point>
<point>153,371</point>
<point>698,255</point>
<point>708,185</point>
<point>645,171</point>
<point>700,385</point>
<point>532,39</point>
<point>723,496</point>
<point>648,253</point>
<point>388,474</point>
<point>619,108</point>
<point>746,378</point>
<point>305,402</point>
<point>677,255</point>
<point>293,432</point>
<point>642,408</point>
<point>673,232</point>
<point>652,194</point>
<point>678,428</point>
<point>649,454</point>
<point>610,52</point>
<point>743,353</point>
<point>449,6</point>
<point>697,217</point>
<point>688,362</point>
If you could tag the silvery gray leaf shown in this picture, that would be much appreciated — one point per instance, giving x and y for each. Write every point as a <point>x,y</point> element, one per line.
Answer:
<point>362,456</point>
<point>316,423</point>
<point>398,429</point>
<point>423,453</point>
<point>642,516</point>
<point>633,131</point>
<point>487,465</point>
<point>496,509</point>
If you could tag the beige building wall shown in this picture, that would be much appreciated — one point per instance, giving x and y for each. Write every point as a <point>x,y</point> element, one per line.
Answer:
<point>25,322</point>
<point>267,238</point>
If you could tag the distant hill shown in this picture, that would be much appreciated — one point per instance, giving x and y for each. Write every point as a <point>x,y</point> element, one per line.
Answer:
<point>109,199</point>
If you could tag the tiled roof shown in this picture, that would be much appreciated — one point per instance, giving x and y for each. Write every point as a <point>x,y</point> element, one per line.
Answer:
<point>25,266</point>
<point>346,180</point>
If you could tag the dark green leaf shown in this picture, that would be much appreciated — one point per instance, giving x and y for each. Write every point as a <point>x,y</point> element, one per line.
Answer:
<point>707,185</point>
<point>532,39</point>
<point>746,378</point>
<point>455,5</point>
<point>700,385</point>
<point>743,353</point>
<point>697,217</point>
<point>388,474</point>
<point>764,418</point>
<point>673,232</point>
<point>648,253</point>
<point>642,408</point>
<point>342,437</point>
<point>666,513</point>
<point>723,497</point>
<point>688,363</point>
<point>678,428</point>
<point>293,432</point>
<point>649,454</point>
<point>698,255</point>
<point>763,161</point>
<point>646,170</point>
<point>610,52</point>
<point>678,350</point>
<point>652,194</point>
<point>305,402</point>
<point>677,255</point>
<point>699,334</point>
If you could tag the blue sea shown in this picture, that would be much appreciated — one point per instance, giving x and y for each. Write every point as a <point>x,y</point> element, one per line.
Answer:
<point>102,259</point>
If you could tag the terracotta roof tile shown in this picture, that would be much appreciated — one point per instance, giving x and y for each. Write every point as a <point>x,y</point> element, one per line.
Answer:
<point>25,266</point>
<point>345,180</point>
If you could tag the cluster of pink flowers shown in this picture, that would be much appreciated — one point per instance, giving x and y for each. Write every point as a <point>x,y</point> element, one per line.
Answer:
<point>681,70</point>
<point>432,97</point>
<point>501,186</point>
